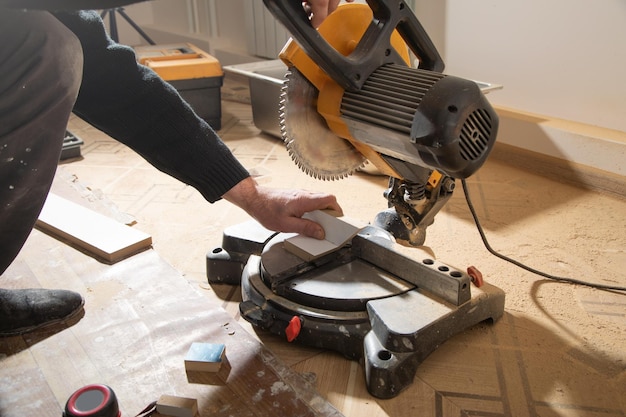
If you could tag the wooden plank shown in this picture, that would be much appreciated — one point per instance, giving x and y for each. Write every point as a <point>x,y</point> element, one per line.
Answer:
<point>177,406</point>
<point>92,232</point>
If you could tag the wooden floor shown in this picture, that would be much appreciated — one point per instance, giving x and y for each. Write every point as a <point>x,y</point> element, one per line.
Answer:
<point>559,350</point>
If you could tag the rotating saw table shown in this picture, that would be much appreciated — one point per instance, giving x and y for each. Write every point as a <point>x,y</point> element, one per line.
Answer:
<point>367,300</point>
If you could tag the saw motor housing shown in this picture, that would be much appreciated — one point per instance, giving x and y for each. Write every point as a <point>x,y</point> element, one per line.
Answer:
<point>422,128</point>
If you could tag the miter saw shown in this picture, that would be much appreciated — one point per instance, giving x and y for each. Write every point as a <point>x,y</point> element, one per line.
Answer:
<point>350,96</point>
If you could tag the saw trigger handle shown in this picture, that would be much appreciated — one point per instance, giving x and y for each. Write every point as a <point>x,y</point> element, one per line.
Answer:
<point>373,50</point>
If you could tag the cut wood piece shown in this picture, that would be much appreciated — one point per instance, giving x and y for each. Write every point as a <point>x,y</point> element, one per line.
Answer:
<point>92,232</point>
<point>205,357</point>
<point>169,405</point>
<point>339,231</point>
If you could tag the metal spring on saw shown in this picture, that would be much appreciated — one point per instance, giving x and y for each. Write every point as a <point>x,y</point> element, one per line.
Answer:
<point>414,192</point>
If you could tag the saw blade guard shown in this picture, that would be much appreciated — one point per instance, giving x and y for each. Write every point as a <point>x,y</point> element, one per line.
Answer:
<point>313,147</point>
<point>373,49</point>
<point>342,32</point>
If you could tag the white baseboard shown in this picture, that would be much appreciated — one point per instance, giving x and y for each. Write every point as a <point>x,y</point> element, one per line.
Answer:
<point>589,156</point>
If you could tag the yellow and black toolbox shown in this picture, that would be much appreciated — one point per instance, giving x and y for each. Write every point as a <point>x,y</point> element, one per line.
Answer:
<point>196,75</point>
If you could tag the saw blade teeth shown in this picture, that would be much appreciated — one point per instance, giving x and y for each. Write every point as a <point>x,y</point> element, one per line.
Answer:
<point>312,146</point>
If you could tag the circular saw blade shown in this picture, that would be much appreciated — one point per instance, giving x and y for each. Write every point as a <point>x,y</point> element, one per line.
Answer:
<point>310,142</point>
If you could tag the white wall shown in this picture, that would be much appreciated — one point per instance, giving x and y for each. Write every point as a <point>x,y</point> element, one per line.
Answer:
<point>562,64</point>
<point>211,24</point>
<point>561,58</point>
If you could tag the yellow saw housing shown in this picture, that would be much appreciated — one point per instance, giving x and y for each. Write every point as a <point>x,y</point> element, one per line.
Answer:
<point>343,30</point>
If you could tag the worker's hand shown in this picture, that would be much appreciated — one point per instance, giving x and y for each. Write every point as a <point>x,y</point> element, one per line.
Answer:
<point>319,9</point>
<point>281,210</point>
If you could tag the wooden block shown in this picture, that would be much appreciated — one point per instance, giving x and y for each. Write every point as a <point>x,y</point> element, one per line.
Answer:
<point>339,230</point>
<point>92,232</point>
<point>169,405</point>
<point>205,357</point>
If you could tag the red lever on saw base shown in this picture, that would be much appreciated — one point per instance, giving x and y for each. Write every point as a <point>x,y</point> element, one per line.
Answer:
<point>293,328</point>
<point>475,275</point>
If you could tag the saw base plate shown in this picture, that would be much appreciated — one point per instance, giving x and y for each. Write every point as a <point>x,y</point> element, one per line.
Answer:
<point>367,301</point>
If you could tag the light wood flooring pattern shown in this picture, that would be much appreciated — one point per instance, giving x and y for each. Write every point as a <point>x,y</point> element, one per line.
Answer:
<point>559,350</point>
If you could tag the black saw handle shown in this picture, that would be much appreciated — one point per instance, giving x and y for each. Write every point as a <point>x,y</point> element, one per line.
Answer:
<point>374,48</point>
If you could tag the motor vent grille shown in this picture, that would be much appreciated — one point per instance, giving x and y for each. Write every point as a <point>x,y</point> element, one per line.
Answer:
<point>390,97</point>
<point>475,135</point>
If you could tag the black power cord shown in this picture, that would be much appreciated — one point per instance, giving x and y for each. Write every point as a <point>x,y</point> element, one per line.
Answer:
<point>521,265</point>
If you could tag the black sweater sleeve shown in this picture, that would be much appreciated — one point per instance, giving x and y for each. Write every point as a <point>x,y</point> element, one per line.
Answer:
<point>134,105</point>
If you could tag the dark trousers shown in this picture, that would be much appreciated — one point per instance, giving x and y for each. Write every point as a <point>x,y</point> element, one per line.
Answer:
<point>40,75</point>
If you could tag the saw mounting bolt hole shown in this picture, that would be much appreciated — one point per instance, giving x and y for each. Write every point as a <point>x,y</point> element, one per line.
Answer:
<point>217,250</point>
<point>452,108</point>
<point>384,355</point>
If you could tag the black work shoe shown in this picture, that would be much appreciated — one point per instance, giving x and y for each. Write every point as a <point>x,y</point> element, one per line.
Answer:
<point>22,311</point>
